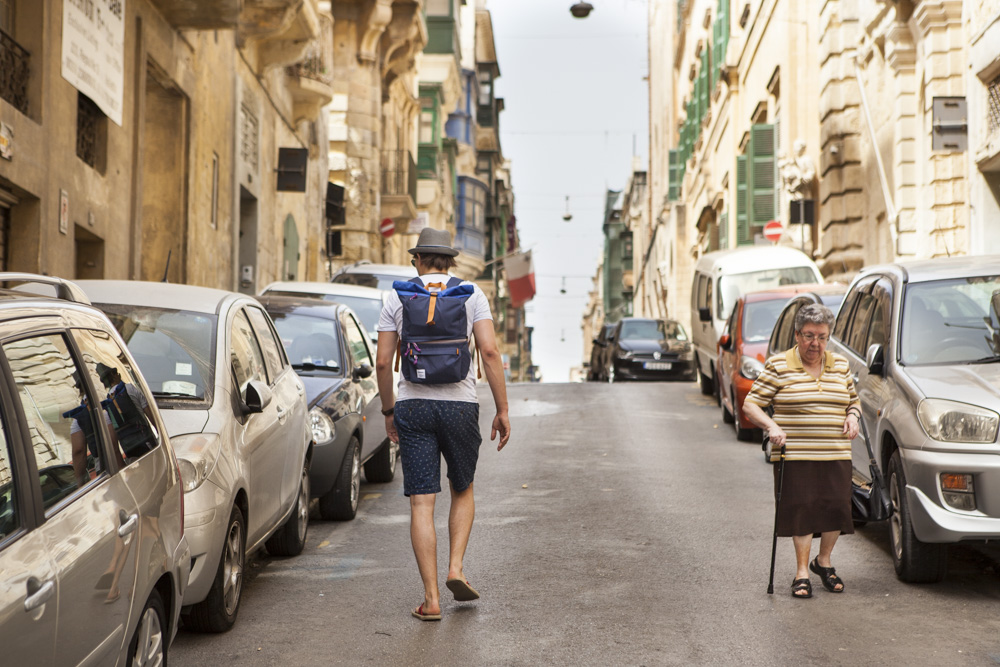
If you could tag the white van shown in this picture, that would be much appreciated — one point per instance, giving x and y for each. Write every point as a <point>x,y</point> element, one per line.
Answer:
<point>722,277</point>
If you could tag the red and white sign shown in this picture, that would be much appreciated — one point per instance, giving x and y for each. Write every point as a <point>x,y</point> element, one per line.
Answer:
<point>520,278</point>
<point>772,230</point>
<point>387,227</point>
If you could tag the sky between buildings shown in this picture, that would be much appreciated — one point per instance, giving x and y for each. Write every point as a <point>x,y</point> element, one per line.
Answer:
<point>575,114</point>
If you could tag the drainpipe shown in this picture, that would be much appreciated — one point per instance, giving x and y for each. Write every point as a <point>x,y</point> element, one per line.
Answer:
<point>890,205</point>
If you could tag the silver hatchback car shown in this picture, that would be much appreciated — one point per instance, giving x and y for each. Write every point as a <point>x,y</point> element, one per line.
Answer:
<point>93,557</point>
<point>236,413</point>
<point>923,340</point>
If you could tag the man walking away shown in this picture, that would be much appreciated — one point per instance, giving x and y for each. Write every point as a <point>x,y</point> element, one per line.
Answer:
<point>434,415</point>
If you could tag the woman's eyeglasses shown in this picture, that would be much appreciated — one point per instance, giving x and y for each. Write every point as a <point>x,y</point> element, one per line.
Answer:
<point>810,337</point>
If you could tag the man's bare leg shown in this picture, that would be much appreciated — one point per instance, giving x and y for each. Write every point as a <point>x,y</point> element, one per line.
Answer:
<point>424,541</point>
<point>460,517</point>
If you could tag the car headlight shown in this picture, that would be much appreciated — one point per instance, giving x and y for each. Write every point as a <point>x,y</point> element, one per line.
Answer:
<point>750,368</point>
<point>951,421</point>
<point>323,428</point>
<point>624,354</point>
<point>196,457</point>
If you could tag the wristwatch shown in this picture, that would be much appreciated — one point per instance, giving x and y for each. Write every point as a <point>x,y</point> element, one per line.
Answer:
<point>389,411</point>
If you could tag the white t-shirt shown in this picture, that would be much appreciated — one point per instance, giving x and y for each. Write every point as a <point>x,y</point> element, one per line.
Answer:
<point>477,308</point>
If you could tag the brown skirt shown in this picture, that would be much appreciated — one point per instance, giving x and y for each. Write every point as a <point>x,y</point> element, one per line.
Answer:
<point>815,497</point>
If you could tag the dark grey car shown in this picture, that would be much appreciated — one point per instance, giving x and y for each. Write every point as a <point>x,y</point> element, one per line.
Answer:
<point>923,340</point>
<point>328,348</point>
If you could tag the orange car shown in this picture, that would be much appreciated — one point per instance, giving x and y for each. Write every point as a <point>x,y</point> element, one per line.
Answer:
<point>742,349</point>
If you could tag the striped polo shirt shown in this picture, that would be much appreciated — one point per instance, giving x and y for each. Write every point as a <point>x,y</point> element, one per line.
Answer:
<point>811,411</point>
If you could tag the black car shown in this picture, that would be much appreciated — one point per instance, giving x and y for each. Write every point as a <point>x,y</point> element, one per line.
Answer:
<point>599,355</point>
<point>648,349</point>
<point>329,349</point>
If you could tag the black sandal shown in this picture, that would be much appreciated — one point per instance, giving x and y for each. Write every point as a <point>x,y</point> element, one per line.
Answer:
<point>828,576</point>
<point>802,585</point>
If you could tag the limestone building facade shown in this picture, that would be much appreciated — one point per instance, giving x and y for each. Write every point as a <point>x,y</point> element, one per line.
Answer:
<point>869,129</point>
<point>142,139</point>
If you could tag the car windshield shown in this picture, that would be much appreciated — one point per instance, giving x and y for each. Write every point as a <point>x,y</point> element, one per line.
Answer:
<point>951,321</point>
<point>312,343</point>
<point>367,308</point>
<point>732,287</point>
<point>377,280</point>
<point>652,330</point>
<point>759,318</point>
<point>175,350</point>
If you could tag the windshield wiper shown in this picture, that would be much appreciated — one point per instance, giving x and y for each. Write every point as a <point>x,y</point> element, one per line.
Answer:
<point>172,394</point>
<point>313,367</point>
<point>987,360</point>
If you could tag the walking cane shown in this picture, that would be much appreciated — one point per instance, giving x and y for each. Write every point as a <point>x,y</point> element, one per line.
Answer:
<point>777,503</point>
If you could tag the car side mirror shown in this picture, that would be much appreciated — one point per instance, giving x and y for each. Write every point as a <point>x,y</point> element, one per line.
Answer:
<point>598,343</point>
<point>725,342</point>
<point>875,359</point>
<point>256,396</point>
<point>362,371</point>
<point>704,315</point>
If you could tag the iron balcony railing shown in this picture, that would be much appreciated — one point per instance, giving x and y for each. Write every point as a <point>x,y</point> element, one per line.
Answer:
<point>13,72</point>
<point>399,173</point>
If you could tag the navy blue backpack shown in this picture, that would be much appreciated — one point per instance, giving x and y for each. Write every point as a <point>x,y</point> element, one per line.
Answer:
<point>434,342</point>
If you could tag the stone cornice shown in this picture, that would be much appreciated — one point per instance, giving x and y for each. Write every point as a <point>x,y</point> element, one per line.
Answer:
<point>936,14</point>
<point>900,51</point>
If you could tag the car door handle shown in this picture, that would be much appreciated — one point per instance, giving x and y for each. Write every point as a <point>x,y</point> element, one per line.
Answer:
<point>38,593</point>
<point>128,523</point>
<point>855,376</point>
<point>282,414</point>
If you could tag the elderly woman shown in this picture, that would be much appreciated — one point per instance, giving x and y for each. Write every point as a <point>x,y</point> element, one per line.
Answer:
<point>816,413</point>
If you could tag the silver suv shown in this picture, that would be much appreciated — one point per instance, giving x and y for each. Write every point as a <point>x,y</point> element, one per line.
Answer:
<point>92,548</point>
<point>923,340</point>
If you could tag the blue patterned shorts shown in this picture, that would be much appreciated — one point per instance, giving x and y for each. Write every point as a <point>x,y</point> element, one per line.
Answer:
<point>429,430</point>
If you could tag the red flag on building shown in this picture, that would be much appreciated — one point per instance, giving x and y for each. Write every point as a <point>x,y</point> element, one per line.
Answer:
<point>520,278</point>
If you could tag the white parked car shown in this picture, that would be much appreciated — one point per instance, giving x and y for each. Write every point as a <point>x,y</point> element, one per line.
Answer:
<point>236,413</point>
<point>366,302</point>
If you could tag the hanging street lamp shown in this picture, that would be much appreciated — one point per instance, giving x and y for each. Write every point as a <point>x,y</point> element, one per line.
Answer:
<point>581,10</point>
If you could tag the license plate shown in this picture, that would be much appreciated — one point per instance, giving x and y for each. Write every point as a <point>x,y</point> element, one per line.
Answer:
<point>657,365</point>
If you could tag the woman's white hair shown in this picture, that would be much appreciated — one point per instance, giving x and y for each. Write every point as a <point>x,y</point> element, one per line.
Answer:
<point>814,313</point>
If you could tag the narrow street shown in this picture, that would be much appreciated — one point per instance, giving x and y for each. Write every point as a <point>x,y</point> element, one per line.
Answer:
<point>623,524</point>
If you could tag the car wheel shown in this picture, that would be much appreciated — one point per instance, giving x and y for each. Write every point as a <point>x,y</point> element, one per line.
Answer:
<point>149,644</point>
<point>742,434</point>
<point>381,468</point>
<point>727,416</point>
<point>707,385</point>
<point>341,503</point>
<point>915,561</point>
<point>290,539</point>
<point>217,612</point>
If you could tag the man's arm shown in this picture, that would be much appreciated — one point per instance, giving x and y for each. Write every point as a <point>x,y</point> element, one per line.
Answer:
<point>387,341</point>
<point>489,352</point>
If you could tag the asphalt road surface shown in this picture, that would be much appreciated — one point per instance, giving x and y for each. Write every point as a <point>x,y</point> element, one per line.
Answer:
<point>623,524</point>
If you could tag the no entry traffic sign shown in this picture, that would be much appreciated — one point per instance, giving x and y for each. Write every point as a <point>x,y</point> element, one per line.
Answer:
<point>387,227</point>
<point>772,230</point>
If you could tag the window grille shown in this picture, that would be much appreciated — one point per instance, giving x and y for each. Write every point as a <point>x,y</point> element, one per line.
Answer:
<point>248,138</point>
<point>993,101</point>
<point>13,72</point>
<point>88,117</point>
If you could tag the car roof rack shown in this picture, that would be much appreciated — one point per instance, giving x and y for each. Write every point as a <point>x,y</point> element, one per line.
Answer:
<point>65,290</point>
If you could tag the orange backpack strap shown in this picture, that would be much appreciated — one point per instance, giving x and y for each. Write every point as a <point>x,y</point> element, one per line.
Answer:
<point>433,304</point>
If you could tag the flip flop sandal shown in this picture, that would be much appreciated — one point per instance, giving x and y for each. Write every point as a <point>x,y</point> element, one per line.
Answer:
<point>828,576</point>
<point>462,590</point>
<point>419,613</point>
<point>800,585</point>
